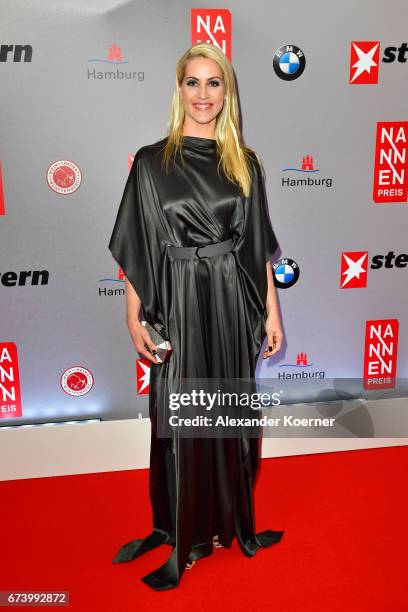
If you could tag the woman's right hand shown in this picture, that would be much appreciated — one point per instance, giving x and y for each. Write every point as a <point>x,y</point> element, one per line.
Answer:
<point>138,332</point>
<point>141,338</point>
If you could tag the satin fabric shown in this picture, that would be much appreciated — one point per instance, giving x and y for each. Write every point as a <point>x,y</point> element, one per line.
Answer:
<point>214,312</point>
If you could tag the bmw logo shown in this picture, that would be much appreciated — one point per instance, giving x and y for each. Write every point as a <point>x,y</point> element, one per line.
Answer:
<point>289,62</point>
<point>286,273</point>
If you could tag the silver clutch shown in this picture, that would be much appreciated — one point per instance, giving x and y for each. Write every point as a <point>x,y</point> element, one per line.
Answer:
<point>160,339</point>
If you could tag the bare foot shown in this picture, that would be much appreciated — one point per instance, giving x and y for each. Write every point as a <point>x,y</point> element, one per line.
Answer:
<point>190,564</point>
<point>216,542</point>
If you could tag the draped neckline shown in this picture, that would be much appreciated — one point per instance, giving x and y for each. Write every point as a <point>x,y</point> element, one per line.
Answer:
<point>198,142</point>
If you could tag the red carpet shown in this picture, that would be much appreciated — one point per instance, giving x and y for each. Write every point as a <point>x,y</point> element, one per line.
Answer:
<point>344,548</point>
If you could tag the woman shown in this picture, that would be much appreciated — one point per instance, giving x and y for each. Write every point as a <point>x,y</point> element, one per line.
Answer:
<point>198,186</point>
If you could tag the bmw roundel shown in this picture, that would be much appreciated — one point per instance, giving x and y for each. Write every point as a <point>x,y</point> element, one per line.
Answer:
<point>289,62</point>
<point>286,273</point>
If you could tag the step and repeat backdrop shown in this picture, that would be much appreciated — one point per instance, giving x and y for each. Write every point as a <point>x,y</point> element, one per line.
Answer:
<point>323,93</point>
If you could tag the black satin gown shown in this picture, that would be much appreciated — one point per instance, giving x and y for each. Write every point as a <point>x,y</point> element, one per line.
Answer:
<point>214,312</point>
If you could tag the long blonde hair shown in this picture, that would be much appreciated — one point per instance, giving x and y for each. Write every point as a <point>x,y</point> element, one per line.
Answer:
<point>232,153</point>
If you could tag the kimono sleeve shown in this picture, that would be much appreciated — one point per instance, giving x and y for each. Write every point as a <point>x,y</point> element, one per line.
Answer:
<point>254,248</point>
<point>135,240</point>
<point>262,221</point>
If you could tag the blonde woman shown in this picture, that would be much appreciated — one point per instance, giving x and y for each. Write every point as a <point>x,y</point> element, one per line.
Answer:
<point>194,239</point>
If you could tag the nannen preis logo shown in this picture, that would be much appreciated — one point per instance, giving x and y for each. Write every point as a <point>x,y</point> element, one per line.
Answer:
<point>10,393</point>
<point>380,354</point>
<point>391,162</point>
<point>212,26</point>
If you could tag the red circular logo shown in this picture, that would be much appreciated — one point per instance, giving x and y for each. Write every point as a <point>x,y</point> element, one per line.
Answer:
<point>64,177</point>
<point>77,381</point>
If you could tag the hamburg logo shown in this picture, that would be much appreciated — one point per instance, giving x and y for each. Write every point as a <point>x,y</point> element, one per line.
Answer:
<point>77,381</point>
<point>212,26</point>
<point>289,62</point>
<point>364,60</point>
<point>391,162</point>
<point>114,56</point>
<point>303,364</point>
<point>307,168</point>
<point>143,375</point>
<point>119,281</point>
<point>307,165</point>
<point>64,177</point>
<point>302,361</point>
<point>353,269</point>
<point>286,273</point>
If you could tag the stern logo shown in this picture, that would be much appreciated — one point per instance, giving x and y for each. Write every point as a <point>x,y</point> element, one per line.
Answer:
<point>16,53</point>
<point>143,375</point>
<point>353,270</point>
<point>364,59</point>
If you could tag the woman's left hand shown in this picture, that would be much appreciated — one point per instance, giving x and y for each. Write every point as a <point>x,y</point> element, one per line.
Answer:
<point>274,335</point>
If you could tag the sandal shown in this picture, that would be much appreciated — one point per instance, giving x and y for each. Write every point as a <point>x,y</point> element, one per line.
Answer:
<point>190,564</point>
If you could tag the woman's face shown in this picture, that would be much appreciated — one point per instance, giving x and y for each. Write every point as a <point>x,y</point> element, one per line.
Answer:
<point>202,90</point>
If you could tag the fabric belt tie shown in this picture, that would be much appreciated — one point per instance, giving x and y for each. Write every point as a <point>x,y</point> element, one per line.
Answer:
<point>200,252</point>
